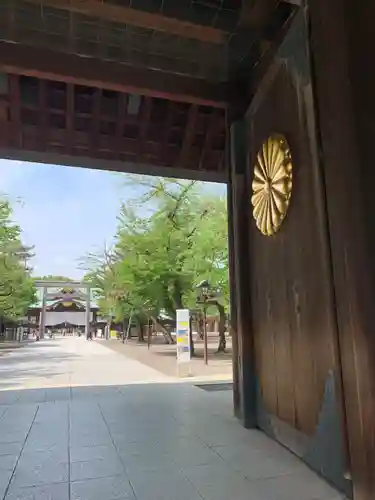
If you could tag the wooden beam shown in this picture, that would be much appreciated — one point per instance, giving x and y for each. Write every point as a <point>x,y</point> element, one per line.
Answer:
<point>43,125</point>
<point>47,64</point>
<point>121,111</point>
<point>214,125</point>
<point>269,54</point>
<point>256,14</point>
<point>62,284</point>
<point>69,117</point>
<point>53,158</point>
<point>189,133</point>
<point>11,20</point>
<point>126,15</point>
<point>15,109</point>
<point>167,130</point>
<point>242,96</point>
<point>95,123</point>
<point>145,120</point>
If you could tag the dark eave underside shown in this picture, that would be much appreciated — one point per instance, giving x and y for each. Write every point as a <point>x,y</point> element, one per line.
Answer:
<point>88,122</point>
<point>135,85</point>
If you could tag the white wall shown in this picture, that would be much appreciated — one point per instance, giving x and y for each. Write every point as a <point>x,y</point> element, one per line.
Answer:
<point>73,317</point>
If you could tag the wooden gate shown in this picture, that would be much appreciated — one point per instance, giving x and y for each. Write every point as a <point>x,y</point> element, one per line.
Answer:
<point>297,362</point>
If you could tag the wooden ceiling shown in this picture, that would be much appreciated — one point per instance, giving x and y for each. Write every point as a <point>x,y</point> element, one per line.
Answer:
<point>138,81</point>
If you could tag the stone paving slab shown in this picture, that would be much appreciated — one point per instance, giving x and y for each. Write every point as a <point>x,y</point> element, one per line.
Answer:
<point>126,441</point>
<point>58,491</point>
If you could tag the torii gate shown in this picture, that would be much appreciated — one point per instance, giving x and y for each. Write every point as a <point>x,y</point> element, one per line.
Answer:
<point>44,285</point>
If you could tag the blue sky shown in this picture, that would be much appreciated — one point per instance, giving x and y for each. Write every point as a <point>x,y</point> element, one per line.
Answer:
<point>64,212</point>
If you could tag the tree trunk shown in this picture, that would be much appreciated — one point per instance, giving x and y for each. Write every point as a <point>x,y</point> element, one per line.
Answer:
<point>149,331</point>
<point>141,338</point>
<point>129,329</point>
<point>222,340</point>
<point>168,302</point>
<point>200,326</point>
<point>124,326</point>
<point>108,329</point>
<point>177,295</point>
<point>167,335</point>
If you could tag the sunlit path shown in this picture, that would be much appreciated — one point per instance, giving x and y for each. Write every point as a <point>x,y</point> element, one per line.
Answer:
<point>65,362</point>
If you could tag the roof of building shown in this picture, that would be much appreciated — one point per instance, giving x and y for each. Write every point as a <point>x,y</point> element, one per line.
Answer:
<point>55,297</point>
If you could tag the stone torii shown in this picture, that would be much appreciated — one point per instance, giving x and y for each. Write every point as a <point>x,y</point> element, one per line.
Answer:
<point>45,285</point>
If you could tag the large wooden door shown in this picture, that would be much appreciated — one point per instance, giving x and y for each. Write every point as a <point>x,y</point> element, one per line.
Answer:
<point>294,327</point>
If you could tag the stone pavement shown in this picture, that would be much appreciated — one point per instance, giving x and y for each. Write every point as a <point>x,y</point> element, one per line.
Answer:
<point>81,422</point>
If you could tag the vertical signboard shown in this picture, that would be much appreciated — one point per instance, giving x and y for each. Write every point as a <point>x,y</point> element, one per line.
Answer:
<point>183,336</point>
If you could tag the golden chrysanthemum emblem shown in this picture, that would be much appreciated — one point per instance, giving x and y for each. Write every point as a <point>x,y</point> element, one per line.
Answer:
<point>272,184</point>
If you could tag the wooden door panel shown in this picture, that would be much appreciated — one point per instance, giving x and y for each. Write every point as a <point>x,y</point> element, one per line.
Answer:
<point>289,272</point>
<point>292,308</point>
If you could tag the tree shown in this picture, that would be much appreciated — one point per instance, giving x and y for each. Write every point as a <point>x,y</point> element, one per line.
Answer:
<point>111,282</point>
<point>210,258</point>
<point>99,269</point>
<point>51,277</point>
<point>158,246</point>
<point>166,240</point>
<point>17,289</point>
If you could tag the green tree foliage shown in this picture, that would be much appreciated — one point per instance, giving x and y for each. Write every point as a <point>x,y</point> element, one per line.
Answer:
<point>51,277</point>
<point>167,240</point>
<point>17,289</point>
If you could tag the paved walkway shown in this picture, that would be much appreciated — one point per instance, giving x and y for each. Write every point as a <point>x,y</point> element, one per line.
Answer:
<point>81,422</point>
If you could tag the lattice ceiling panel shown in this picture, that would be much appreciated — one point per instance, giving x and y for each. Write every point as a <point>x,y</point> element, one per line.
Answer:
<point>81,121</point>
<point>34,23</point>
<point>221,14</point>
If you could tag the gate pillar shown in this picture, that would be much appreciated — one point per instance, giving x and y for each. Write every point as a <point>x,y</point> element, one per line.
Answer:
<point>88,311</point>
<point>42,319</point>
<point>238,219</point>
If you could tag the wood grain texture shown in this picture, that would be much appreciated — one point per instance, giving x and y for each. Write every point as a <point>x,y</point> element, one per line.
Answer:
<point>134,17</point>
<point>244,364</point>
<point>342,36</point>
<point>292,318</point>
<point>54,117</point>
<point>69,68</point>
